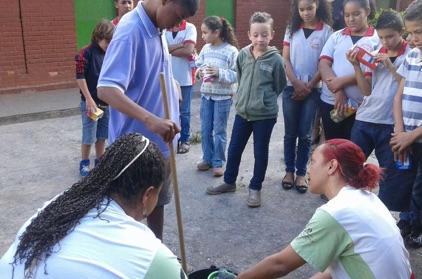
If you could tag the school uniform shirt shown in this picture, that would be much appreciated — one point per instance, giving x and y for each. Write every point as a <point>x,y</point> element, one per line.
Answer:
<point>411,71</point>
<point>182,70</point>
<point>110,246</point>
<point>378,107</point>
<point>224,58</point>
<point>335,50</point>
<point>136,56</point>
<point>355,236</point>
<point>305,52</point>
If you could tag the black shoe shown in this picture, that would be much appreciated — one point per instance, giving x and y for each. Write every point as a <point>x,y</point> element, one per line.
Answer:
<point>405,228</point>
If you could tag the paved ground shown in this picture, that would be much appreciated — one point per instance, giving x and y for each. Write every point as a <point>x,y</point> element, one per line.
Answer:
<point>40,158</point>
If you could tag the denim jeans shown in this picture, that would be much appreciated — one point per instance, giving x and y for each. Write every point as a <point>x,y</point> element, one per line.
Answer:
<point>299,117</point>
<point>416,203</point>
<point>396,185</point>
<point>241,132</point>
<point>333,130</point>
<point>214,115</point>
<point>185,113</point>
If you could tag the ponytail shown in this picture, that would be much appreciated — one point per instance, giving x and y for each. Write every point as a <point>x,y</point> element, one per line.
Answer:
<point>368,177</point>
<point>226,30</point>
<point>227,33</point>
<point>352,167</point>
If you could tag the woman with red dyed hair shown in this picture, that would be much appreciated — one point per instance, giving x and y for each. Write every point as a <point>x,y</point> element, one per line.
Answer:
<point>353,235</point>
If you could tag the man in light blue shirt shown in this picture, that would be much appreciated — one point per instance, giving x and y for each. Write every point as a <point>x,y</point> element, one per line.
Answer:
<point>130,81</point>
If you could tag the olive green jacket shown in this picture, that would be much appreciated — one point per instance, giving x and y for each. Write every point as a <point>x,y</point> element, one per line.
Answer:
<point>261,81</point>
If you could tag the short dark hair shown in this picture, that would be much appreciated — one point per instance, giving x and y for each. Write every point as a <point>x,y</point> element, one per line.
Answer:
<point>191,6</point>
<point>390,20</point>
<point>414,11</point>
<point>103,31</point>
<point>261,17</point>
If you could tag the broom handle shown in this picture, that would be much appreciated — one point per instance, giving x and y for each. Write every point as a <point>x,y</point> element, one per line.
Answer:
<point>174,177</point>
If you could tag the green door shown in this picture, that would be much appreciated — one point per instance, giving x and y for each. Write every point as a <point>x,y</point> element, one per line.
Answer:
<point>87,14</point>
<point>224,8</point>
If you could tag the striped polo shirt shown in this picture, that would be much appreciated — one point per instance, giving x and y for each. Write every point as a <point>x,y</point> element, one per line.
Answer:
<point>305,52</point>
<point>378,107</point>
<point>335,50</point>
<point>355,236</point>
<point>411,71</point>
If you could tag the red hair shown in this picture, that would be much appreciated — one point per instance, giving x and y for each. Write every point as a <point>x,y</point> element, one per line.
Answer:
<point>352,165</point>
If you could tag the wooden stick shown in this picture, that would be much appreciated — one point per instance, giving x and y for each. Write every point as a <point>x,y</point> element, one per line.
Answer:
<point>174,177</point>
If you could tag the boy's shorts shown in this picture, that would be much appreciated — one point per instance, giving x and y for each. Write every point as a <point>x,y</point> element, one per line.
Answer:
<point>167,190</point>
<point>94,130</point>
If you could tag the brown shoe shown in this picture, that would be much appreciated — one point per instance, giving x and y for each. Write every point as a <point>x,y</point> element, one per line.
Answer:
<point>217,172</point>
<point>254,198</point>
<point>221,189</point>
<point>203,166</point>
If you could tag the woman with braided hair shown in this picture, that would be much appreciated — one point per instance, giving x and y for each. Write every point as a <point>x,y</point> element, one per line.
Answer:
<point>93,229</point>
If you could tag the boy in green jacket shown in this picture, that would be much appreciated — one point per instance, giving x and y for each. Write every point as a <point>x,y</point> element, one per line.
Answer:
<point>261,79</point>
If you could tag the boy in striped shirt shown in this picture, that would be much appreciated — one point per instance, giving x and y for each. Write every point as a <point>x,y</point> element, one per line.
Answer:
<point>407,136</point>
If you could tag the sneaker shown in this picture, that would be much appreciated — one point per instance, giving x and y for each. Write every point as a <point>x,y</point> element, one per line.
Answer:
<point>220,189</point>
<point>217,172</point>
<point>84,168</point>
<point>254,198</point>
<point>203,166</point>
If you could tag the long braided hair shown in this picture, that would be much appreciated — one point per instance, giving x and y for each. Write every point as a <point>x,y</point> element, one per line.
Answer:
<point>62,215</point>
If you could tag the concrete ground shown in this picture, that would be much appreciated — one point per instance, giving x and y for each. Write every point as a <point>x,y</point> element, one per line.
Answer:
<point>40,159</point>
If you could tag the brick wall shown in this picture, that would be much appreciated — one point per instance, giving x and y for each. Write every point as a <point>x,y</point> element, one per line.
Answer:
<point>36,52</point>
<point>279,9</point>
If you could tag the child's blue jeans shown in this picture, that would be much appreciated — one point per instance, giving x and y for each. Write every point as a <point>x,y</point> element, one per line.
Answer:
<point>214,116</point>
<point>241,132</point>
<point>416,203</point>
<point>396,185</point>
<point>185,113</point>
<point>299,117</point>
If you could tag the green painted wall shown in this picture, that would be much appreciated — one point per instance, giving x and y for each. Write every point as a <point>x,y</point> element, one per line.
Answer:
<point>224,8</point>
<point>87,14</point>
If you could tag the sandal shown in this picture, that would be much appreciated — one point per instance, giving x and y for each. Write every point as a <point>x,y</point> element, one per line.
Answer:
<point>183,147</point>
<point>301,188</point>
<point>286,185</point>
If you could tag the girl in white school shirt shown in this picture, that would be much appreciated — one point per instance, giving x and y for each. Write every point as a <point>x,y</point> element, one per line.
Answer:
<point>303,42</point>
<point>340,89</point>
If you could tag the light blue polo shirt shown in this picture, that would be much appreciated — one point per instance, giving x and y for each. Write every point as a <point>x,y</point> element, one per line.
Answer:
<point>132,64</point>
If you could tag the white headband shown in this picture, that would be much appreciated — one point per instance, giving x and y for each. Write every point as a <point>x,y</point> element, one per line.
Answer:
<point>136,157</point>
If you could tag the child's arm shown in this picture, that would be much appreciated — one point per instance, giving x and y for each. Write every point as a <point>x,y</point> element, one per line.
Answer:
<point>301,88</point>
<point>228,75</point>
<point>186,50</point>
<point>199,62</point>
<point>383,58</point>
<point>327,75</point>
<point>82,60</point>
<point>364,81</point>
<point>397,109</point>
<point>279,77</point>
<point>401,140</point>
